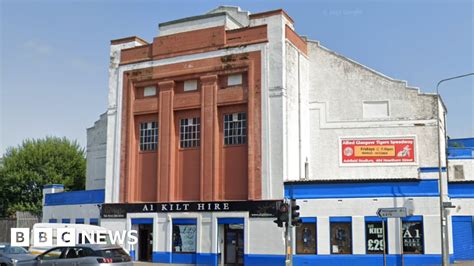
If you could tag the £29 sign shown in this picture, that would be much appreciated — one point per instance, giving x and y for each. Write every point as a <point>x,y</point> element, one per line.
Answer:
<point>374,234</point>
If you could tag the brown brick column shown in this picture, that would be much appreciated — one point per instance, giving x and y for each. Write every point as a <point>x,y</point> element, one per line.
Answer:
<point>166,140</point>
<point>209,139</point>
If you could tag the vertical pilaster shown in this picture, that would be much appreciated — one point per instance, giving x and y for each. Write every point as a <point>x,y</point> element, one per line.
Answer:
<point>129,151</point>
<point>253,131</point>
<point>166,141</point>
<point>209,139</point>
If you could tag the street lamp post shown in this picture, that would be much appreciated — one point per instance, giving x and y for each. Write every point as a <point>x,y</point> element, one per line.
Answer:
<point>442,212</point>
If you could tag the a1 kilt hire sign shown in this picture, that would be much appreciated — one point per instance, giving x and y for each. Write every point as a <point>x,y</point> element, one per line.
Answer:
<point>377,150</point>
<point>256,209</point>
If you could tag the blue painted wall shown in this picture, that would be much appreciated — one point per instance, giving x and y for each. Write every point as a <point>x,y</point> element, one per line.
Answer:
<point>75,197</point>
<point>176,258</point>
<point>464,142</point>
<point>421,188</point>
<point>461,148</point>
<point>461,190</point>
<point>142,220</point>
<point>365,260</point>
<point>303,260</point>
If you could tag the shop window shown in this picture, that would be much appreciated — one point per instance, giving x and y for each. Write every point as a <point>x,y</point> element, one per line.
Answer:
<point>148,136</point>
<point>235,79</point>
<point>341,236</point>
<point>306,237</point>
<point>190,132</point>
<point>235,128</point>
<point>149,91</point>
<point>376,237</point>
<point>412,237</point>
<point>190,85</point>
<point>184,235</point>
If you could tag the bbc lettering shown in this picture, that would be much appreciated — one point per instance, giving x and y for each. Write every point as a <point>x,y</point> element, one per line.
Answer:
<point>67,237</point>
<point>43,237</point>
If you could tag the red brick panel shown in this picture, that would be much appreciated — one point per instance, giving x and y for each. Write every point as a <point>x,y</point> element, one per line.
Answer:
<point>296,40</point>
<point>136,54</point>
<point>187,41</point>
<point>246,36</point>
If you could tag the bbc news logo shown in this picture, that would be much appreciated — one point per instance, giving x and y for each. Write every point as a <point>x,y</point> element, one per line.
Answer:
<point>68,237</point>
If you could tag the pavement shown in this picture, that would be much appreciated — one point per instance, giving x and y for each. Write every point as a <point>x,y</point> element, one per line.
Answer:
<point>464,263</point>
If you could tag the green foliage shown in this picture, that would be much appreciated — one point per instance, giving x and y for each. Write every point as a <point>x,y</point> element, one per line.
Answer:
<point>457,145</point>
<point>35,163</point>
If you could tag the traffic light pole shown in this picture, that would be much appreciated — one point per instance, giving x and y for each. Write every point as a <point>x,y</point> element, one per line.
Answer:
<point>289,236</point>
<point>288,217</point>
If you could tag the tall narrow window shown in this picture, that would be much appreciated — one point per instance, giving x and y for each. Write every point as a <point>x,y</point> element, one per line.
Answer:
<point>148,136</point>
<point>184,235</point>
<point>341,236</point>
<point>306,237</point>
<point>376,237</point>
<point>235,128</point>
<point>413,237</point>
<point>190,132</point>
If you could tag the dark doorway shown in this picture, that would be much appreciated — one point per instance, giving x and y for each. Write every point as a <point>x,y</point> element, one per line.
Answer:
<point>145,242</point>
<point>234,244</point>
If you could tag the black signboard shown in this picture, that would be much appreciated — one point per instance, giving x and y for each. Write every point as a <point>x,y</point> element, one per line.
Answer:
<point>413,237</point>
<point>263,209</point>
<point>374,235</point>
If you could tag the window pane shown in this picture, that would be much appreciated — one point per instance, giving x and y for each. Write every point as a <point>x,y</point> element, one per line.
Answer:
<point>374,235</point>
<point>235,128</point>
<point>413,237</point>
<point>184,238</point>
<point>341,238</point>
<point>306,238</point>
<point>235,79</point>
<point>148,136</point>
<point>189,132</point>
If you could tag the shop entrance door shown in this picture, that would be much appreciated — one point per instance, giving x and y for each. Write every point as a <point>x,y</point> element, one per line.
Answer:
<point>145,242</point>
<point>234,244</point>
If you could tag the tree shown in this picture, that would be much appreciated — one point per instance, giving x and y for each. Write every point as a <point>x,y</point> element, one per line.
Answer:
<point>35,163</point>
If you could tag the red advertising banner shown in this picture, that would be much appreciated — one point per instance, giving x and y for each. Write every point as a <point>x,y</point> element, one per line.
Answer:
<point>378,150</point>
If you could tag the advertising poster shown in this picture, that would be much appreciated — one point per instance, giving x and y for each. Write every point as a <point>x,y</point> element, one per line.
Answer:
<point>413,237</point>
<point>374,235</point>
<point>378,151</point>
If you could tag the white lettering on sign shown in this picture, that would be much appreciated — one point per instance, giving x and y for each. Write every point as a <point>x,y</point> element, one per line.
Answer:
<point>147,208</point>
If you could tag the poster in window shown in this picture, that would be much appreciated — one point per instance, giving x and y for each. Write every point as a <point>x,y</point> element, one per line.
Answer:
<point>184,238</point>
<point>341,238</point>
<point>374,235</point>
<point>306,238</point>
<point>413,237</point>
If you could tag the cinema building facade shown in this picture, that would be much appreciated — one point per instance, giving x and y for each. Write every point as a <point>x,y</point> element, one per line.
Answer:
<point>227,113</point>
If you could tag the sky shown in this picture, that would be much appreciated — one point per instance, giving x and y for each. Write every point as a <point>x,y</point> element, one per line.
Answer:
<point>55,54</point>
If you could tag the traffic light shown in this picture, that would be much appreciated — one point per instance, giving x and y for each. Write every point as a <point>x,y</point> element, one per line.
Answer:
<point>295,215</point>
<point>281,214</point>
